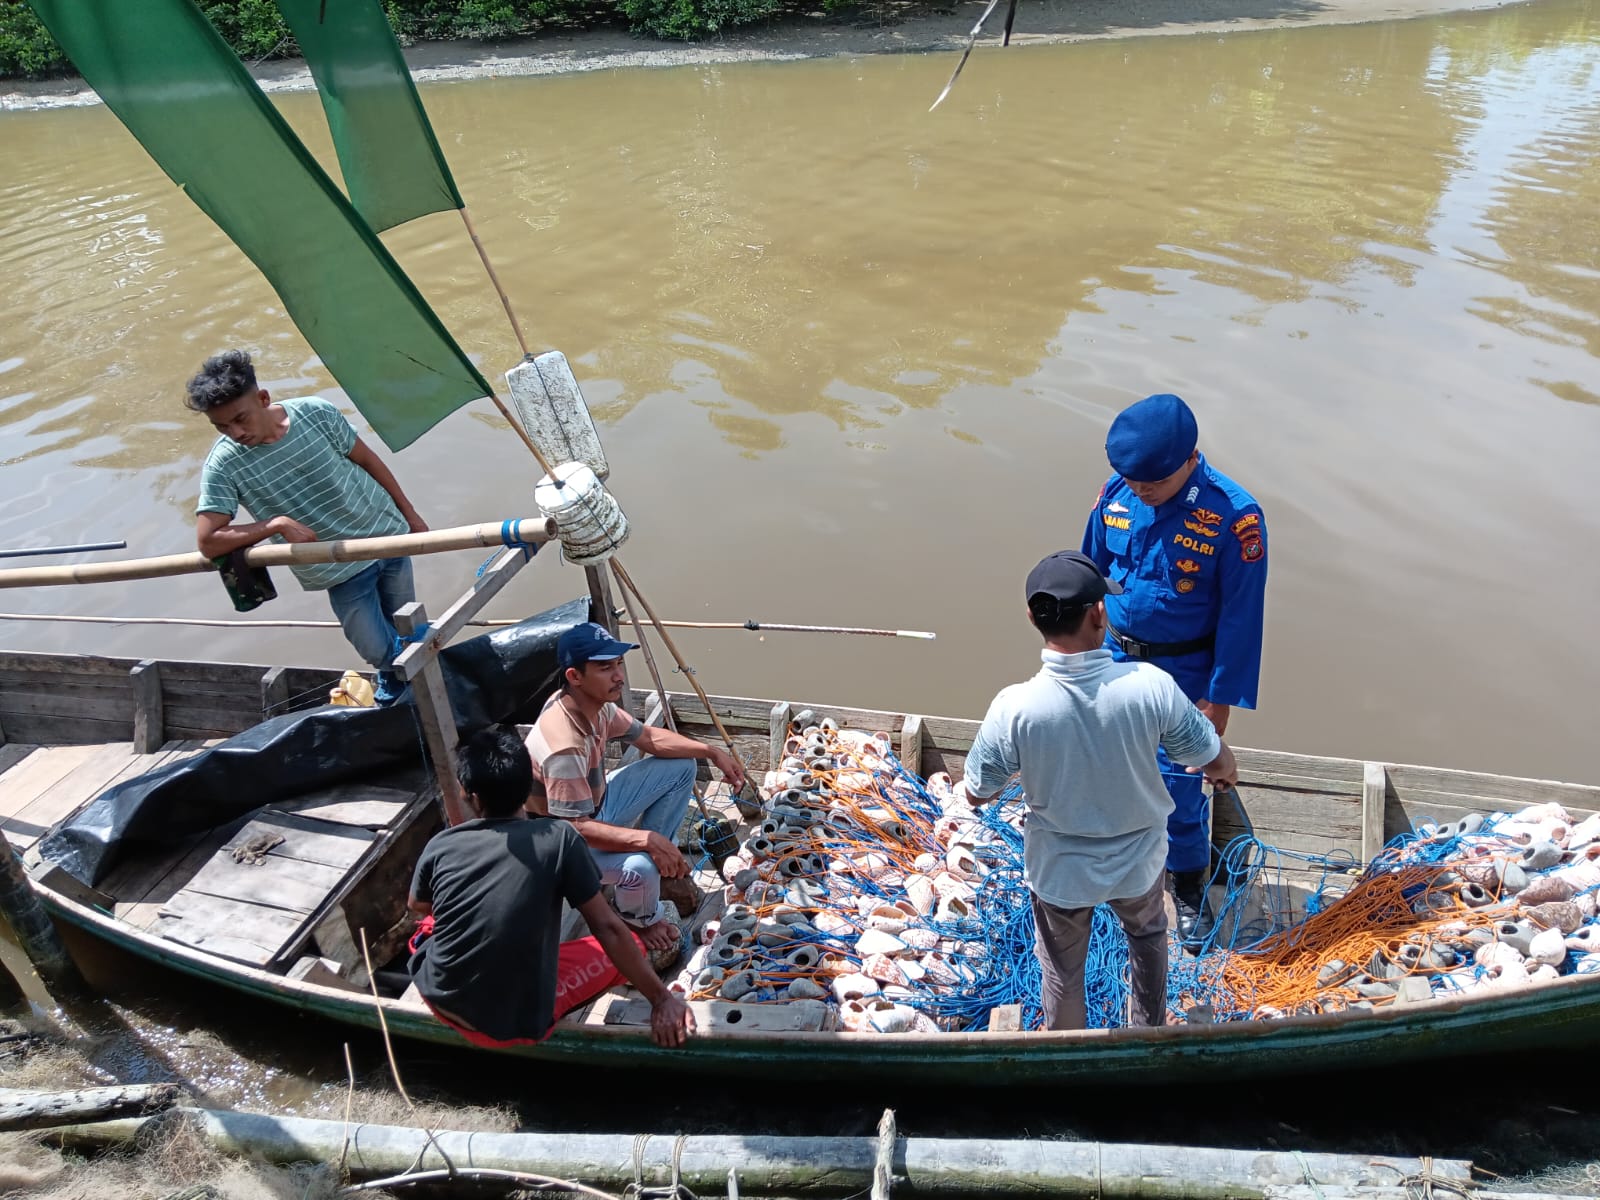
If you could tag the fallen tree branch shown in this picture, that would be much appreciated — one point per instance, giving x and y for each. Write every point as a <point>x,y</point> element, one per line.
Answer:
<point>21,1109</point>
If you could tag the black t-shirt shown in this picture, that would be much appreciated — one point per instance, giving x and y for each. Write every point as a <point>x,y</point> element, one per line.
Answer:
<point>496,887</point>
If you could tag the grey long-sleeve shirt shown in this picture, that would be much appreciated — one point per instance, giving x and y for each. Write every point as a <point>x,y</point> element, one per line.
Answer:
<point>1083,734</point>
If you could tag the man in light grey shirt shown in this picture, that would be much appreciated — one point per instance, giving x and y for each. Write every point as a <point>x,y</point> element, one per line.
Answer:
<point>1083,734</point>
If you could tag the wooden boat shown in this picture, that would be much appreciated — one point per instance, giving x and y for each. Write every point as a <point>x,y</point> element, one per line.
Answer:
<point>290,934</point>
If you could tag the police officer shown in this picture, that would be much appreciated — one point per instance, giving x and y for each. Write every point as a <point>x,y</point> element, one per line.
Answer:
<point>1189,547</point>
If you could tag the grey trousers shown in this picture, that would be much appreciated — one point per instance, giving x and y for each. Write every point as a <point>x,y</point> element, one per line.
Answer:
<point>1061,943</point>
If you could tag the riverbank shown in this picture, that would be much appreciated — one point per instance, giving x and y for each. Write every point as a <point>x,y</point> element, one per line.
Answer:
<point>917,29</point>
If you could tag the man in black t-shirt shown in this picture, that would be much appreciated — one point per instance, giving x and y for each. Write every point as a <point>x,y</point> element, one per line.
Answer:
<point>488,962</point>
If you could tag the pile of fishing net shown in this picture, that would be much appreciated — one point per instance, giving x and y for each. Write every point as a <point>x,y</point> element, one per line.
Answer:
<point>882,896</point>
<point>890,903</point>
<point>1488,903</point>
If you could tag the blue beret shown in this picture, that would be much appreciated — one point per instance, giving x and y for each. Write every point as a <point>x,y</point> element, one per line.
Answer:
<point>1152,439</point>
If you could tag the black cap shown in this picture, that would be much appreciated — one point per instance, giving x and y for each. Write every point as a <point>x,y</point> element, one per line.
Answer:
<point>1071,579</point>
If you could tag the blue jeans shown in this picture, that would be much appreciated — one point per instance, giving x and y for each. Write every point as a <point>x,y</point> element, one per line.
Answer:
<point>365,605</point>
<point>654,794</point>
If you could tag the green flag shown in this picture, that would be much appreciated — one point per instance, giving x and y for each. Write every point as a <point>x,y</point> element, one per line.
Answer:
<point>393,168</point>
<point>165,72</point>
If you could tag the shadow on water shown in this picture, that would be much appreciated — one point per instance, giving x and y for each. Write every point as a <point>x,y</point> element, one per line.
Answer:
<point>1512,1117</point>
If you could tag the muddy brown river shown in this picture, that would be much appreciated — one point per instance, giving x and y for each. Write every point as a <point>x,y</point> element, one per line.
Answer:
<point>854,363</point>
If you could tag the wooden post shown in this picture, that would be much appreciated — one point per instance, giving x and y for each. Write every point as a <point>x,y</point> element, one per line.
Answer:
<point>911,744</point>
<point>603,610</point>
<point>30,923</point>
<point>148,720</point>
<point>778,724</point>
<point>1374,798</point>
<point>274,692</point>
<point>434,712</point>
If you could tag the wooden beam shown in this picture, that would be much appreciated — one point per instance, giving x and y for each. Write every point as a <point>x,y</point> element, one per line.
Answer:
<point>149,724</point>
<point>911,744</point>
<point>1374,798</point>
<point>274,692</point>
<point>603,610</point>
<point>434,712</point>
<point>1005,1018</point>
<point>659,717</point>
<point>782,713</point>
<point>454,619</point>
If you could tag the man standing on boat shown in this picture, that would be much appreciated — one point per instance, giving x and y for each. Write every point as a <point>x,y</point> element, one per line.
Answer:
<point>631,817</point>
<point>1083,734</point>
<point>305,476</point>
<point>1189,548</point>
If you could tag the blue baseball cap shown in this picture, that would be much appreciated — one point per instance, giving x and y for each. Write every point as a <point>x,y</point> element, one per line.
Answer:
<point>1150,440</point>
<point>589,642</point>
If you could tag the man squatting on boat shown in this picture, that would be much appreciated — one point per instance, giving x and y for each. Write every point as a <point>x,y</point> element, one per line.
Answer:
<point>486,956</point>
<point>305,476</point>
<point>629,819</point>
<point>1189,547</point>
<point>1083,734</point>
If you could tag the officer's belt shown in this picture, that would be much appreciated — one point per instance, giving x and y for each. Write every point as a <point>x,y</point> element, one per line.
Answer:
<point>1134,648</point>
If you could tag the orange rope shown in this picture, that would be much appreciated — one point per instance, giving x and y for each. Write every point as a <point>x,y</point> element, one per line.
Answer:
<point>1374,918</point>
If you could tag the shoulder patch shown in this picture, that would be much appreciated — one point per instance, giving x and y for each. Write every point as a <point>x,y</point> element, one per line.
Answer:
<point>1248,521</point>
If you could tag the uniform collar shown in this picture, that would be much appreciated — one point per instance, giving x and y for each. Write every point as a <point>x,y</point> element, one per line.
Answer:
<point>1190,494</point>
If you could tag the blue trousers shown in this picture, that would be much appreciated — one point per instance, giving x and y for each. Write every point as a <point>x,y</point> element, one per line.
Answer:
<point>365,605</point>
<point>654,794</point>
<point>1189,826</point>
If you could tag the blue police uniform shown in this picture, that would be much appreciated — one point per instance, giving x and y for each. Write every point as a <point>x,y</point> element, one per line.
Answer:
<point>1194,576</point>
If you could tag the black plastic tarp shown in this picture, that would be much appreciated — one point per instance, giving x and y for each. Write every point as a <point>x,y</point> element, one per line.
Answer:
<point>498,677</point>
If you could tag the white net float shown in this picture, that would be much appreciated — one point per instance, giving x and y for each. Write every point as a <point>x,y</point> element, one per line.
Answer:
<point>588,520</point>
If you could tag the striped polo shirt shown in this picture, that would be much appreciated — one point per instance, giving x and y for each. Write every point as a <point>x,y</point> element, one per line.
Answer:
<point>569,758</point>
<point>305,475</point>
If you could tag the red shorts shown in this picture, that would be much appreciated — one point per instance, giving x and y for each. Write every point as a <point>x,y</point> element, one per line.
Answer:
<point>583,971</point>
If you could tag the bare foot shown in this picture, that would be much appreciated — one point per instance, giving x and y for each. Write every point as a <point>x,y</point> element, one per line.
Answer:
<point>659,936</point>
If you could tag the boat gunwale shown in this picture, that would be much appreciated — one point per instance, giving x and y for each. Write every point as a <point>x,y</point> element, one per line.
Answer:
<point>1230,1035</point>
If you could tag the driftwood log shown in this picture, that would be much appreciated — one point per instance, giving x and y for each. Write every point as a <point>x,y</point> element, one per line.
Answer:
<point>44,1110</point>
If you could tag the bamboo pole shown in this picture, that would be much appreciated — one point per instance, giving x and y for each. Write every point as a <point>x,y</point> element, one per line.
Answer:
<point>628,585</point>
<point>494,278</point>
<point>486,623</point>
<point>86,548</point>
<point>811,1166</point>
<point>535,530</point>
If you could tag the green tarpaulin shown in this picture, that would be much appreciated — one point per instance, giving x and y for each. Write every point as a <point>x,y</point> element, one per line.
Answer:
<point>392,166</point>
<point>163,70</point>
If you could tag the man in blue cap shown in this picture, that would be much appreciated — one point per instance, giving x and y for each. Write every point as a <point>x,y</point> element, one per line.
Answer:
<point>1189,547</point>
<point>630,819</point>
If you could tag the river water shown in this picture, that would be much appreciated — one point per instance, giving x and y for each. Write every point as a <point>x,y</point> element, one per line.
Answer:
<point>854,363</point>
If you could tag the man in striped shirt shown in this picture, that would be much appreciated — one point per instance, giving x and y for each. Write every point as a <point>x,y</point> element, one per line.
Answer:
<point>305,476</point>
<point>630,818</point>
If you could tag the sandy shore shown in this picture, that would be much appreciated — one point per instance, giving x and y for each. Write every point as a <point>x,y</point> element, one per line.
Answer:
<point>916,29</point>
